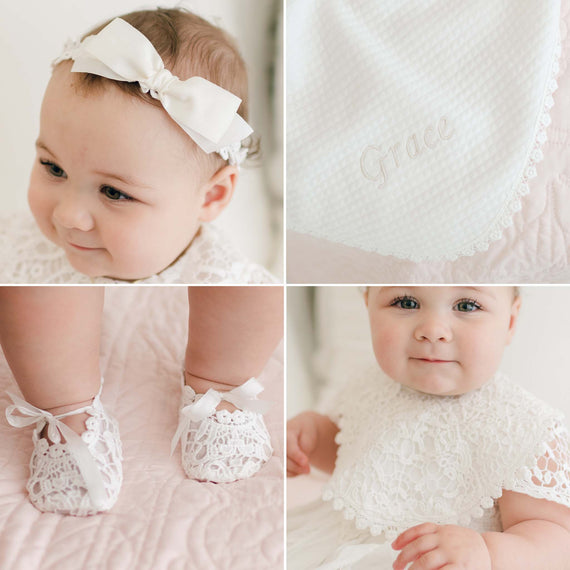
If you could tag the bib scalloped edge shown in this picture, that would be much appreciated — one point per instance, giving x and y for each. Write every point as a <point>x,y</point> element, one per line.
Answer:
<point>462,519</point>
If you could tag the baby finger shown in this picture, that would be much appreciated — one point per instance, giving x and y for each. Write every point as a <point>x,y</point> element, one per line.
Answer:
<point>416,549</point>
<point>433,560</point>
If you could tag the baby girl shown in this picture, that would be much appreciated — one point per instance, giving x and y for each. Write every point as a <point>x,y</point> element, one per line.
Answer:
<point>142,132</point>
<point>438,460</point>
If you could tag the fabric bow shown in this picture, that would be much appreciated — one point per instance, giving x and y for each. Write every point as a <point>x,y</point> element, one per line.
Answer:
<point>204,110</point>
<point>56,430</point>
<point>243,397</point>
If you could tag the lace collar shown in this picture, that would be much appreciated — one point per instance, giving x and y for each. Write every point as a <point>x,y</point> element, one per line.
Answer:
<point>407,457</point>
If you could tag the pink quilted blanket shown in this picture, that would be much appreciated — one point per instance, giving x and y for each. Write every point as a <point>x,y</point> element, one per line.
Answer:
<point>162,520</point>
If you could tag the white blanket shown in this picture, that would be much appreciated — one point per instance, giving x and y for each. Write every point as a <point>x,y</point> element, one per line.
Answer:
<point>535,248</point>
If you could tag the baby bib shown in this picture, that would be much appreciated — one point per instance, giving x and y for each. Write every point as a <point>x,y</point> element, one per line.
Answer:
<point>406,457</point>
<point>414,126</point>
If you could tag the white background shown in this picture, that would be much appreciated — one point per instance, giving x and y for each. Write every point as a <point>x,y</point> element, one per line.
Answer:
<point>32,35</point>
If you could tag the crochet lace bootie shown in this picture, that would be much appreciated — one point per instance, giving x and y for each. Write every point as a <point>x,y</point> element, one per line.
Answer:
<point>218,445</point>
<point>71,474</point>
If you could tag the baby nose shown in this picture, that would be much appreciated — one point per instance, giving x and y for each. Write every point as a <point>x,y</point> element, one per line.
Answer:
<point>72,212</point>
<point>433,328</point>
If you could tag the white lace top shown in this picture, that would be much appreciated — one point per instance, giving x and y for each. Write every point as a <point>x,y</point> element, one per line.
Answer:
<point>407,457</point>
<point>26,256</point>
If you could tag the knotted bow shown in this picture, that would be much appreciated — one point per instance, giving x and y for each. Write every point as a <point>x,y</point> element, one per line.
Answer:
<point>204,110</point>
<point>243,397</point>
<point>56,430</point>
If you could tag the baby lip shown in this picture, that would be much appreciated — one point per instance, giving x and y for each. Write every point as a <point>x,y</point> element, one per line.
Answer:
<point>82,247</point>
<point>431,359</point>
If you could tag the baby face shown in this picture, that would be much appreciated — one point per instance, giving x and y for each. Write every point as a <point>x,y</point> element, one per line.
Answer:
<point>114,183</point>
<point>441,340</point>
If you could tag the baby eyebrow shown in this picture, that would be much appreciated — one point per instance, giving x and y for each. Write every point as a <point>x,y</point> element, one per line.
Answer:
<point>484,290</point>
<point>124,179</point>
<point>42,145</point>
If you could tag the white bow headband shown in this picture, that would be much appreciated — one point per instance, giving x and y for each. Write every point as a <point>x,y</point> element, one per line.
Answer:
<point>204,110</point>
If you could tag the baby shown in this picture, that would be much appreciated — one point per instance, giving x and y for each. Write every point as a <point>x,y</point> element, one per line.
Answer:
<point>436,451</point>
<point>142,131</point>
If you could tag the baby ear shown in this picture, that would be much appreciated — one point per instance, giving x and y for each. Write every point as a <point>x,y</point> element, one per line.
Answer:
<point>516,307</point>
<point>217,193</point>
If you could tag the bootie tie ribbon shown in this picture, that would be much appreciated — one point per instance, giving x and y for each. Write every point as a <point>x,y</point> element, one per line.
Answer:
<point>56,429</point>
<point>243,397</point>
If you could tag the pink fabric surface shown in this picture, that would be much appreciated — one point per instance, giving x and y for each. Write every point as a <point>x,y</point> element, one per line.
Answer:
<point>162,520</point>
<point>535,249</point>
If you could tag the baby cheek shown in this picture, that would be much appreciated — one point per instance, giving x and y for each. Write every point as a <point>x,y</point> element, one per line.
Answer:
<point>40,203</point>
<point>481,357</point>
<point>387,347</point>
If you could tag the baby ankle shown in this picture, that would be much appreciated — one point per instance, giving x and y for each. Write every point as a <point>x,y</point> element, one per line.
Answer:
<point>201,385</point>
<point>63,409</point>
<point>75,422</point>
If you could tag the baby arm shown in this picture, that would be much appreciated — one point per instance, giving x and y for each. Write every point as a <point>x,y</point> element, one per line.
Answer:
<point>536,535</point>
<point>310,441</point>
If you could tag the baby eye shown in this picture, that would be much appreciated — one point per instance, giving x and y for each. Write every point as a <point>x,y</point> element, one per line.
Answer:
<point>114,194</point>
<point>53,169</point>
<point>467,306</point>
<point>405,303</point>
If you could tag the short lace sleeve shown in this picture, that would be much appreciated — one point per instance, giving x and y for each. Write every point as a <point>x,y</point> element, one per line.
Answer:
<point>549,476</point>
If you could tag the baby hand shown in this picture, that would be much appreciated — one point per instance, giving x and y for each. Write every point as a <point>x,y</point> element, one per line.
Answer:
<point>302,439</point>
<point>430,547</point>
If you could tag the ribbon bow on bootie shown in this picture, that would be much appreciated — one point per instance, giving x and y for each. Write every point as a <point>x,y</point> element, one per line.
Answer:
<point>243,397</point>
<point>56,430</point>
<point>204,110</point>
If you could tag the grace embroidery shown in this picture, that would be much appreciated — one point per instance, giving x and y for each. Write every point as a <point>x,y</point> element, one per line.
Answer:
<point>377,165</point>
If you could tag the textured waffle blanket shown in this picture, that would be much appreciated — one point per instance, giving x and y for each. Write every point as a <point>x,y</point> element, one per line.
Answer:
<point>414,127</point>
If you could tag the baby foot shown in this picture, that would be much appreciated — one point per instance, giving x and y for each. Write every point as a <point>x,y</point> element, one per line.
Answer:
<point>70,473</point>
<point>223,445</point>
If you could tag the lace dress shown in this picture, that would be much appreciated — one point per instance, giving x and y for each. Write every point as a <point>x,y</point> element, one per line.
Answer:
<point>26,256</point>
<point>406,458</point>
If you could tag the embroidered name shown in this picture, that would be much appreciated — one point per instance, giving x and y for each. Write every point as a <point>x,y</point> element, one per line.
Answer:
<point>378,166</point>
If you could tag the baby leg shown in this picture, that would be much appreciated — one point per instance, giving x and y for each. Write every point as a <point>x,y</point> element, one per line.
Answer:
<point>50,337</point>
<point>232,332</point>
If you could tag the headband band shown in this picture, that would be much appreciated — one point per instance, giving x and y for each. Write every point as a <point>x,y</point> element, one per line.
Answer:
<point>204,110</point>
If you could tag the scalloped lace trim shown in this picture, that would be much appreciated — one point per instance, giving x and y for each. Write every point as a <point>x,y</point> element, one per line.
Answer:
<point>406,457</point>
<point>225,446</point>
<point>547,478</point>
<point>505,218</point>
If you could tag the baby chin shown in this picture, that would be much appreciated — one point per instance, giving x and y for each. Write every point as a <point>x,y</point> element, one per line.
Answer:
<point>86,260</point>
<point>436,377</point>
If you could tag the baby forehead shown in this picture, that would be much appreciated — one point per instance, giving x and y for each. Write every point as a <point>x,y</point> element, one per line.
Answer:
<point>107,118</point>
